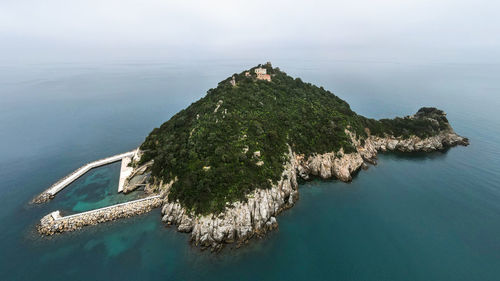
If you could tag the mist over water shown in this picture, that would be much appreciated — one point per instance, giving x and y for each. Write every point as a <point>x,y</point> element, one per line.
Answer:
<point>412,217</point>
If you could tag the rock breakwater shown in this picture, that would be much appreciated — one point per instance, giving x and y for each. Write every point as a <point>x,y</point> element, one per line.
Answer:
<point>54,222</point>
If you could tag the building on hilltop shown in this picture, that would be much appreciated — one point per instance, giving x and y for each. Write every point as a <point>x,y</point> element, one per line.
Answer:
<point>260,70</point>
<point>262,74</point>
<point>233,81</point>
<point>266,77</point>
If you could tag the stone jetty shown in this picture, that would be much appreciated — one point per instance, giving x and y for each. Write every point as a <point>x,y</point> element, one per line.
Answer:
<point>54,222</point>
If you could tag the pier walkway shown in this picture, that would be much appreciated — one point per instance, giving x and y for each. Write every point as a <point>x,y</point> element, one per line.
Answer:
<point>62,183</point>
<point>125,172</point>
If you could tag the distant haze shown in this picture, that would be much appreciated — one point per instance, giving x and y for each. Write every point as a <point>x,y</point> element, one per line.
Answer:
<point>449,31</point>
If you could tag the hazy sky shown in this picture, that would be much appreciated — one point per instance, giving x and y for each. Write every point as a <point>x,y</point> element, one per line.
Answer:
<point>388,30</point>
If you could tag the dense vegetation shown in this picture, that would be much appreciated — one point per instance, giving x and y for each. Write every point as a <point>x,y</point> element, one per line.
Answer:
<point>236,138</point>
<point>426,122</point>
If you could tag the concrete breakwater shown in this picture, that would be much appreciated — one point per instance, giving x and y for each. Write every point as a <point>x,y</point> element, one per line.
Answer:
<point>62,183</point>
<point>125,172</point>
<point>54,222</point>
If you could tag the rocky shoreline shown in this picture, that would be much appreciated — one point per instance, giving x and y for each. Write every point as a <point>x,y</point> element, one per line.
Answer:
<point>243,220</point>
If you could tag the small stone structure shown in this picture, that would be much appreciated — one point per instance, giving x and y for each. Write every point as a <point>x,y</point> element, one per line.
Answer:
<point>54,222</point>
<point>262,74</point>
<point>260,70</point>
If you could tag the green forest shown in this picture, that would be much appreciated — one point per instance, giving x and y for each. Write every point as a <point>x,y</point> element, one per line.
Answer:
<point>236,138</point>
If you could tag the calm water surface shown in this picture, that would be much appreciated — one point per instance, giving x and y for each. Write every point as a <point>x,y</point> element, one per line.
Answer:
<point>429,216</point>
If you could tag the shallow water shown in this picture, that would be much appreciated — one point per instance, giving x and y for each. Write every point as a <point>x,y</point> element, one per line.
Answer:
<point>96,189</point>
<point>412,217</point>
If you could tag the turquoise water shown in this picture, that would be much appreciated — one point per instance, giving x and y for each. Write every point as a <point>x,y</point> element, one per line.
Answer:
<point>96,189</point>
<point>412,217</point>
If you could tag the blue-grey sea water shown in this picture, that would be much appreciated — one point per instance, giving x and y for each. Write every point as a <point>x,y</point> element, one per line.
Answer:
<point>432,216</point>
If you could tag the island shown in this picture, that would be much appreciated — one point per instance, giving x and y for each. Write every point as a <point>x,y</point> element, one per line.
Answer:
<point>224,168</point>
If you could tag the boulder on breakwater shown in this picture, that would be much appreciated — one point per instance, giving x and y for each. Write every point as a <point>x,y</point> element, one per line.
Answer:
<point>54,223</point>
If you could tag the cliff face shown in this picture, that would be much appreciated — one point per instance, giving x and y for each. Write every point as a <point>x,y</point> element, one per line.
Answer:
<point>231,159</point>
<point>244,220</point>
<point>342,166</point>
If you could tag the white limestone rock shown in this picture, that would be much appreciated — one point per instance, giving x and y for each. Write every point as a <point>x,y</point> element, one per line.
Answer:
<point>243,220</point>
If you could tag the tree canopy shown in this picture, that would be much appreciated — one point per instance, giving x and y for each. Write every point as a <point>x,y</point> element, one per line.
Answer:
<point>236,138</point>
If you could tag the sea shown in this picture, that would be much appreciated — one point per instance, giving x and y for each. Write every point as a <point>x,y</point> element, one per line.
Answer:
<point>420,216</point>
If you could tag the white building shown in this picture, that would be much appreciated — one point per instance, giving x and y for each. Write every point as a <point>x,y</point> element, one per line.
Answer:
<point>260,70</point>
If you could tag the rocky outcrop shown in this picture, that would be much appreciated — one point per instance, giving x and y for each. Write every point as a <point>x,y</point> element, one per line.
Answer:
<point>414,143</point>
<point>139,177</point>
<point>53,222</point>
<point>341,166</point>
<point>329,165</point>
<point>243,220</point>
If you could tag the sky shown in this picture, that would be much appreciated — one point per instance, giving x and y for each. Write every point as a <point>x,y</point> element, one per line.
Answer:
<point>451,31</point>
